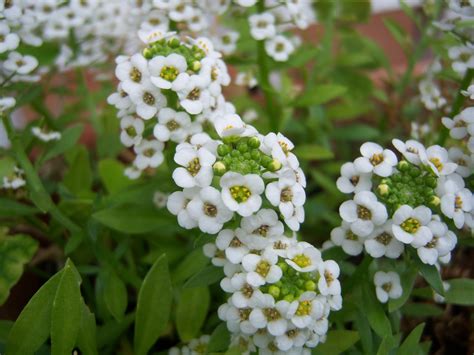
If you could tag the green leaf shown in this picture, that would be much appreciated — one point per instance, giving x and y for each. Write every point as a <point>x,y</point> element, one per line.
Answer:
<point>410,344</point>
<point>461,291</point>
<point>430,274</point>
<point>319,95</point>
<point>131,219</point>
<point>355,132</point>
<point>313,152</point>
<point>407,281</point>
<point>153,306</point>
<point>386,345</point>
<point>115,295</point>
<point>337,342</point>
<point>191,312</point>
<point>111,173</point>
<point>220,339</point>
<point>363,326</point>
<point>78,178</point>
<point>421,310</point>
<point>398,32</point>
<point>69,138</point>
<point>32,328</point>
<point>86,339</point>
<point>207,276</point>
<point>375,313</point>
<point>10,208</point>
<point>7,165</point>
<point>194,262</point>
<point>66,312</point>
<point>15,252</point>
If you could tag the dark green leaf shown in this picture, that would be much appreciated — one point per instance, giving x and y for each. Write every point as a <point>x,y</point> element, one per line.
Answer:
<point>410,344</point>
<point>220,339</point>
<point>421,310</point>
<point>112,175</point>
<point>313,152</point>
<point>66,312</point>
<point>430,274</point>
<point>320,94</point>
<point>385,346</point>
<point>86,339</point>
<point>194,262</point>
<point>375,313</point>
<point>153,306</point>
<point>337,341</point>
<point>78,179</point>
<point>115,295</point>
<point>10,208</point>
<point>461,291</point>
<point>68,140</point>
<point>207,276</point>
<point>191,312</point>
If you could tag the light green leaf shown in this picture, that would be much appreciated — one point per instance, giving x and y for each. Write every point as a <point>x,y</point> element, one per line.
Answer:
<point>7,165</point>
<point>407,281</point>
<point>78,178</point>
<point>112,175</point>
<point>15,251</point>
<point>337,342</point>
<point>115,295</point>
<point>86,339</point>
<point>69,138</point>
<point>32,328</point>
<point>410,344</point>
<point>461,291</point>
<point>192,311</point>
<point>153,306</point>
<point>194,262</point>
<point>430,274</point>
<point>313,152</point>
<point>375,314</point>
<point>319,95</point>
<point>220,339</point>
<point>421,310</point>
<point>207,276</point>
<point>10,208</point>
<point>66,313</point>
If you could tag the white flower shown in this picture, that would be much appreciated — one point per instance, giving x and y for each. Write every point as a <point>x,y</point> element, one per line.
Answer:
<point>217,256</point>
<point>147,98</point>
<point>132,130</point>
<point>381,242</point>
<point>262,26</point>
<point>261,269</point>
<point>237,319</point>
<point>227,42</point>
<point>209,210</point>
<point>306,310</point>
<point>291,340</point>
<point>440,244</point>
<point>241,193</point>
<point>387,285</point>
<point>134,70</point>
<point>438,160</point>
<point>165,70</point>
<point>410,225</point>
<point>20,64</point>
<point>280,148</point>
<point>160,199</point>
<point>196,167</point>
<point>172,125</point>
<point>350,242</point>
<point>261,227</point>
<point>229,125</point>
<point>120,99</point>
<point>456,204</point>
<point>303,257</point>
<point>244,294</point>
<point>328,283</point>
<point>7,103</point>
<point>8,41</point>
<point>458,126</point>
<point>246,3</point>
<point>270,315</point>
<point>376,159</point>
<point>279,48</point>
<point>193,93</point>
<point>249,115</point>
<point>246,79</point>
<point>352,180</point>
<point>149,154</point>
<point>412,150</point>
<point>15,180</point>
<point>45,135</point>
<point>469,92</point>
<point>132,172</point>
<point>462,57</point>
<point>148,36</point>
<point>228,241</point>
<point>364,212</point>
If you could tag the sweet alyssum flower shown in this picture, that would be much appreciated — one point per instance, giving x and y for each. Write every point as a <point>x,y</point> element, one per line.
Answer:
<point>387,285</point>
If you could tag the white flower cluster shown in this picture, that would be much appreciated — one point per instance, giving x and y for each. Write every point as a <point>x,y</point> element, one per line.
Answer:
<point>431,95</point>
<point>194,347</point>
<point>15,180</point>
<point>461,127</point>
<point>395,204</point>
<point>166,93</point>
<point>278,18</point>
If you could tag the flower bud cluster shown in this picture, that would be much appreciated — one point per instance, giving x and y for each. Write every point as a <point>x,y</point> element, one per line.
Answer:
<point>402,204</point>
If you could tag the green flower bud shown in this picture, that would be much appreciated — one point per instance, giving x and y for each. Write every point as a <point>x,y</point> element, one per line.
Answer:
<point>274,165</point>
<point>383,189</point>
<point>242,147</point>
<point>289,298</point>
<point>148,53</point>
<point>196,65</point>
<point>310,285</point>
<point>254,142</point>
<point>285,291</point>
<point>283,266</point>
<point>223,149</point>
<point>219,168</point>
<point>435,201</point>
<point>300,283</point>
<point>255,154</point>
<point>174,42</point>
<point>403,165</point>
<point>266,160</point>
<point>235,153</point>
<point>274,291</point>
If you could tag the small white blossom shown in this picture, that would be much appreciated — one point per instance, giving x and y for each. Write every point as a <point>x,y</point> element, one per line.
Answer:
<point>375,159</point>
<point>410,225</point>
<point>241,193</point>
<point>352,180</point>
<point>387,285</point>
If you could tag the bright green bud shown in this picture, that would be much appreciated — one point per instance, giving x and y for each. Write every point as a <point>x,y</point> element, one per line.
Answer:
<point>254,142</point>
<point>435,200</point>
<point>148,53</point>
<point>383,189</point>
<point>242,147</point>
<point>255,154</point>
<point>289,298</point>
<point>235,153</point>
<point>283,266</point>
<point>274,165</point>
<point>266,160</point>
<point>219,168</point>
<point>196,65</point>
<point>174,42</point>
<point>299,283</point>
<point>285,291</point>
<point>223,149</point>
<point>403,165</point>
<point>310,285</point>
<point>274,291</point>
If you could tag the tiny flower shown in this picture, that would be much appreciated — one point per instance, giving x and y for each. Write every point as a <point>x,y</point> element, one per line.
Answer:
<point>195,169</point>
<point>270,315</point>
<point>261,269</point>
<point>305,310</point>
<point>352,180</point>
<point>381,242</point>
<point>458,126</point>
<point>241,193</point>
<point>230,125</point>
<point>364,212</point>
<point>193,92</point>
<point>132,130</point>
<point>464,162</point>
<point>45,135</point>
<point>261,227</point>
<point>375,159</point>
<point>279,48</point>
<point>15,180</point>
<point>20,64</point>
<point>410,225</point>
<point>303,257</point>
<point>438,160</point>
<point>165,70</point>
<point>328,283</point>
<point>160,199</point>
<point>456,204</point>
<point>132,172</point>
<point>280,148</point>
<point>412,150</point>
<point>343,236</point>
<point>387,285</point>
<point>147,98</point>
<point>262,26</point>
<point>246,79</point>
<point>244,294</point>
<point>235,249</point>
<point>209,210</point>
<point>469,92</point>
<point>217,256</point>
<point>292,339</point>
<point>440,244</point>
<point>227,42</point>
<point>8,41</point>
<point>6,103</point>
<point>134,70</point>
<point>237,318</point>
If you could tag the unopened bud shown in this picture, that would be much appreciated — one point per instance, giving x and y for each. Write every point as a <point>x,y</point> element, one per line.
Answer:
<point>219,168</point>
<point>310,285</point>
<point>289,298</point>
<point>174,42</point>
<point>274,165</point>
<point>403,165</point>
<point>435,201</point>
<point>383,189</point>
<point>254,142</point>
<point>283,266</point>
<point>148,53</point>
<point>196,65</point>
<point>223,149</point>
<point>274,291</point>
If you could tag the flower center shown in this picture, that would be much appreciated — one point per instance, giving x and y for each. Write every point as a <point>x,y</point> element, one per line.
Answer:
<point>302,260</point>
<point>387,286</point>
<point>172,125</point>
<point>284,146</point>
<point>271,314</point>
<point>209,209</point>
<point>411,225</point>
<point>354,180</point>
<point>458,202</point>
<point>247,291</point>
<point>304,308</point>
<point>262,230</point>
<point>328,276</point>
<point>437,163</point>
<point>135,75</point>
<point>280,245</point>
<point>194,166</point>
<point>169,72</point>
<point>149,152</point>
<point>235,243</point>
<point>432,243</point>
<point>262,24</point>
<point>280,47</point>
<point>214,73</point>
<point>384,238</point>
<point>244,313</point>
<point>131,131</point>
<point>240,193</point>
<point>363,213</point>
<point>194,94</point>
<point>263,268</point>
<point>376,159</point>
<point>286,195</point>
<point>293,333</point>
<point>148,98</point>
<point>351,236</point>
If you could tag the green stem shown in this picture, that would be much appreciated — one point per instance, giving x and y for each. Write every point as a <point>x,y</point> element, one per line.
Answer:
<point>457,104</point>
<point>38,193</point>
